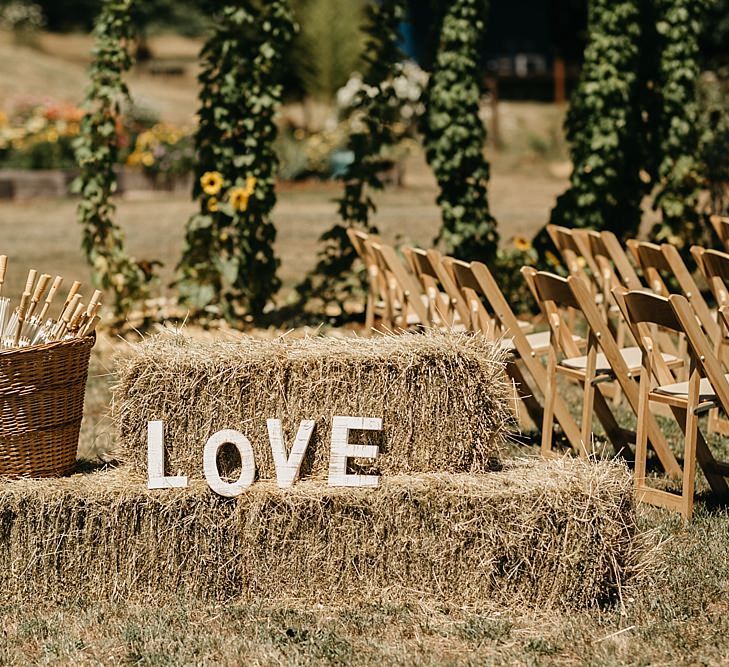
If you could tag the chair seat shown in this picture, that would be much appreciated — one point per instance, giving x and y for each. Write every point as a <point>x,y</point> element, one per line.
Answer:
<point>538,341</point>
<point>631,356</point>
<point>706,391</point>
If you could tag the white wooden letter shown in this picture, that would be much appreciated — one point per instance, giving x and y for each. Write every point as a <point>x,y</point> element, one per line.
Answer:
<point>342,450</point>
<point>156,460</point>
<point>287,467</point>
<point>210,463</point>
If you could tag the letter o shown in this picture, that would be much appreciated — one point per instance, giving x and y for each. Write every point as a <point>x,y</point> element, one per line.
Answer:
<point>210,463</point>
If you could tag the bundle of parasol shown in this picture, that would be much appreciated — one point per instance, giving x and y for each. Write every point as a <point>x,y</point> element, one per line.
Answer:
<point>30,322</point>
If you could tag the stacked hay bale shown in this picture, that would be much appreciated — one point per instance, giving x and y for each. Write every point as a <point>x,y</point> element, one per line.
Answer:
<point>544,534</point>
<point>443,524</point>
<point>444,399</point>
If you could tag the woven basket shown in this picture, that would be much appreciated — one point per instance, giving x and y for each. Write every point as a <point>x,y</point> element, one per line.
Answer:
<point>41,405</point>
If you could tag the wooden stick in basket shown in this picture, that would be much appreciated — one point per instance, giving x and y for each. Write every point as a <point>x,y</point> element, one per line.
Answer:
<point>63,323</point>
<point>91,312</point>
<point>71,294</point>
<point>40,288</point>
<point>76,318</point>
<point>22,308</point>
<point>3,269</point>
<point>51,295</point>
<point>90,326</point>
<point>30,281</point>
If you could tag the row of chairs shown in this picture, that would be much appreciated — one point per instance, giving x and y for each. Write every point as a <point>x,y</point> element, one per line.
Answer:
<point>623,340</point>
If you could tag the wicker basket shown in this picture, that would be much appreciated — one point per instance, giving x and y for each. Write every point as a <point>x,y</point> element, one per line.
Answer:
<point>41,405</point>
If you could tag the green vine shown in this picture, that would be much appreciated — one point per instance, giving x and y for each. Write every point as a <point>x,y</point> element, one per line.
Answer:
<point>228,265</point>
<point>604,127</point>
<point>97,151</point>
<point>375,115</point>
<point>455,136</point>
<point>679,24</point>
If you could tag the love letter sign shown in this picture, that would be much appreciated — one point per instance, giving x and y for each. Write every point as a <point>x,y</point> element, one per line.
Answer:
<point>287,465</point>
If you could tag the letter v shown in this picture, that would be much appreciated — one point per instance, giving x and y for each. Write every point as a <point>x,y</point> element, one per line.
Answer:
<point>287,468</point>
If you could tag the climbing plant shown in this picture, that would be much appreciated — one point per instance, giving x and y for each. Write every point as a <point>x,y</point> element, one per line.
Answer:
<point>679,24</point>
<point>228,265</point>
<point>455,136</point>
<point>375,114</point>
<point>603,125</point>
<point>97,151</point>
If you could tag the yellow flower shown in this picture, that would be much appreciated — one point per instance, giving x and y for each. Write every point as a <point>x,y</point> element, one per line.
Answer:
<point>147,159</point>
<point>522,243</point>
<point>250,185</point>
<point>239,198</point>
<point>212,204</point>
<point>212,182</point>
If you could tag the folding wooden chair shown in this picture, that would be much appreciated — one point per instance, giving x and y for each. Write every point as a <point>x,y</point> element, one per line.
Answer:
<point>376,306</point>
<point>714,265</point>
<point>660,262</point>
<point>445,301</point>
<point>476,282</point>
<point>405,299</point>
<point>660,265</point>
<point>706,388</point>
<point>604,361</point>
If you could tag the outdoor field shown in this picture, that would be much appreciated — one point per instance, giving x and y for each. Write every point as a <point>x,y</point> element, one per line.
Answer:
<point>529,203</point>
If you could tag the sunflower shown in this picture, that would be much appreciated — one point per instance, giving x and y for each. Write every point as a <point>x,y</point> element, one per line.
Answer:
<point>522,243</point>
<point>250,185</point>
<point>212,204</point>
<point>239,198</point>
<point>212,182</point>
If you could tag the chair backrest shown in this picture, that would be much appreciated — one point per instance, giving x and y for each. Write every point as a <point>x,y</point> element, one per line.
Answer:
<point>605,244</point>
<point>720,223</point>
<point>715,267</point>
<point>665,260</point>
<point>554,295</point>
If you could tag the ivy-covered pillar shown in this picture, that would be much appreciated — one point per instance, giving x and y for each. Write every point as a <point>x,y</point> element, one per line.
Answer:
<point>375,112</point>
<point>604,126</point>
<point>455,136</point>
<point>678,26</point>
<point>97,154</point>
<point>228,267</point>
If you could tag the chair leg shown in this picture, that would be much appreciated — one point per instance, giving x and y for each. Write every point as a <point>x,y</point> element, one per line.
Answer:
<point>588,400</point>
<point>641,438</point>
<point>550,394</point>
<point>692,431</point>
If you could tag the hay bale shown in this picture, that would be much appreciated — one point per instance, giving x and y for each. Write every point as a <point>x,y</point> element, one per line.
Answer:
<point>444,399</point>
<point>542,533</point>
